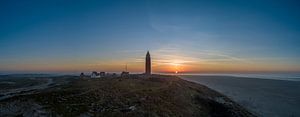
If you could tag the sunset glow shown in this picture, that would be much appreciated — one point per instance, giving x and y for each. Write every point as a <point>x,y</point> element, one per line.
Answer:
<point>183,37</point>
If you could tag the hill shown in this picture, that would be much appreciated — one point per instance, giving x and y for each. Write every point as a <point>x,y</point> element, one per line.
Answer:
<point>155,96</point>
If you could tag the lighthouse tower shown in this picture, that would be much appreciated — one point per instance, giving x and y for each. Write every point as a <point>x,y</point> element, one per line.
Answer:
<point>148,64</point>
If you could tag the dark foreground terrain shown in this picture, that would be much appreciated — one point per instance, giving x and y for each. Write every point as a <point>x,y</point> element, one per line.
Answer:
<point>165,96</point>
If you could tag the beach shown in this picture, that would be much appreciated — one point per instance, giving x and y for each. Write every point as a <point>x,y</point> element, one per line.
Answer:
<point>264,97</point>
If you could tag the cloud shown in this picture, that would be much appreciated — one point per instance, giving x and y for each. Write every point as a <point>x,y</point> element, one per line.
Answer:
<point>174,54</point>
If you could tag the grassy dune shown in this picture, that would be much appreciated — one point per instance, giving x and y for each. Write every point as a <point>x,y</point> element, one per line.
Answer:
<point>156,96</point>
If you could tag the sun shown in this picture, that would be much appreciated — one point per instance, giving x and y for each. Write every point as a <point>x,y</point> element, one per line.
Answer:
<point>176,67</point>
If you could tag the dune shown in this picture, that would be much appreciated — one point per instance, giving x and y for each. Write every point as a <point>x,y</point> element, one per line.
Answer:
<point>155,96</point>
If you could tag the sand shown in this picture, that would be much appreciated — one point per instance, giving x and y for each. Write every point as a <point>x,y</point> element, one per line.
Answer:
<point>264,97</point>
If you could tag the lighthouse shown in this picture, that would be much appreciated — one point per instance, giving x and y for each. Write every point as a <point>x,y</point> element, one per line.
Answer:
<point>148,64</point>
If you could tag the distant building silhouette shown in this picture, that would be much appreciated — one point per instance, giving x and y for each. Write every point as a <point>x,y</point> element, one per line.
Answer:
<point>82,75</point>
<point>98,74</point>
<point>95,74</point>
<point>102,74</point>
<point>125,74</point>
<point>148,64</point>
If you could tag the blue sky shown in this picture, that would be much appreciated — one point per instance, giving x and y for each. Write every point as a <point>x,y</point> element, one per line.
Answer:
<point>78,35</point>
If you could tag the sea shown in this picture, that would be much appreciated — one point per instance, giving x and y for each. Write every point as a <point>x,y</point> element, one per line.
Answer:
<point>264,94</point>
<point>272,76</point>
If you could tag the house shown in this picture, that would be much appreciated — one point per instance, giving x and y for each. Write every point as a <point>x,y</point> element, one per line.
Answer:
<point>95,74</point>
<point>125,74</point>
<point>82,75</point>
<point>102,74</point>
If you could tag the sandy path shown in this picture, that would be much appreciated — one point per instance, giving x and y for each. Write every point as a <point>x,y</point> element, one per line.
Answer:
<point>25,90</point>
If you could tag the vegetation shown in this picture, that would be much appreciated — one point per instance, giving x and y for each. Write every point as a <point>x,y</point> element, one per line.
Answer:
<point>155,96</point>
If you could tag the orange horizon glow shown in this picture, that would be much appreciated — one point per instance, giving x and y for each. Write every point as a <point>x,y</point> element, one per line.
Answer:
<point>171,67</point>
<point>160,64</point>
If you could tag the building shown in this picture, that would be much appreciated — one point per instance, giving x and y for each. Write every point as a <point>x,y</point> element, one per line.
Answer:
<point>95,74</point>
<point>82,75</point>
<point>102,74</point>
<point>148,64</point>
<point>125,74</point>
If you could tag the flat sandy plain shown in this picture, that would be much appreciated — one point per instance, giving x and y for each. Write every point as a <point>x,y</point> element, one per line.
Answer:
<point>264,97</point>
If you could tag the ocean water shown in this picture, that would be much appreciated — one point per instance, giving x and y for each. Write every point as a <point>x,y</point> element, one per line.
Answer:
<point>273,76</point>
<point>266,95</point>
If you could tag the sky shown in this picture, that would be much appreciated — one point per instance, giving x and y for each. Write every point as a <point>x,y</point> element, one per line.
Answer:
<point>187,36</point>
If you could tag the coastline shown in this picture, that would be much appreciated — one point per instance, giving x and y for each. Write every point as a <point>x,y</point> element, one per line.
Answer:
<point>261,96</point>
